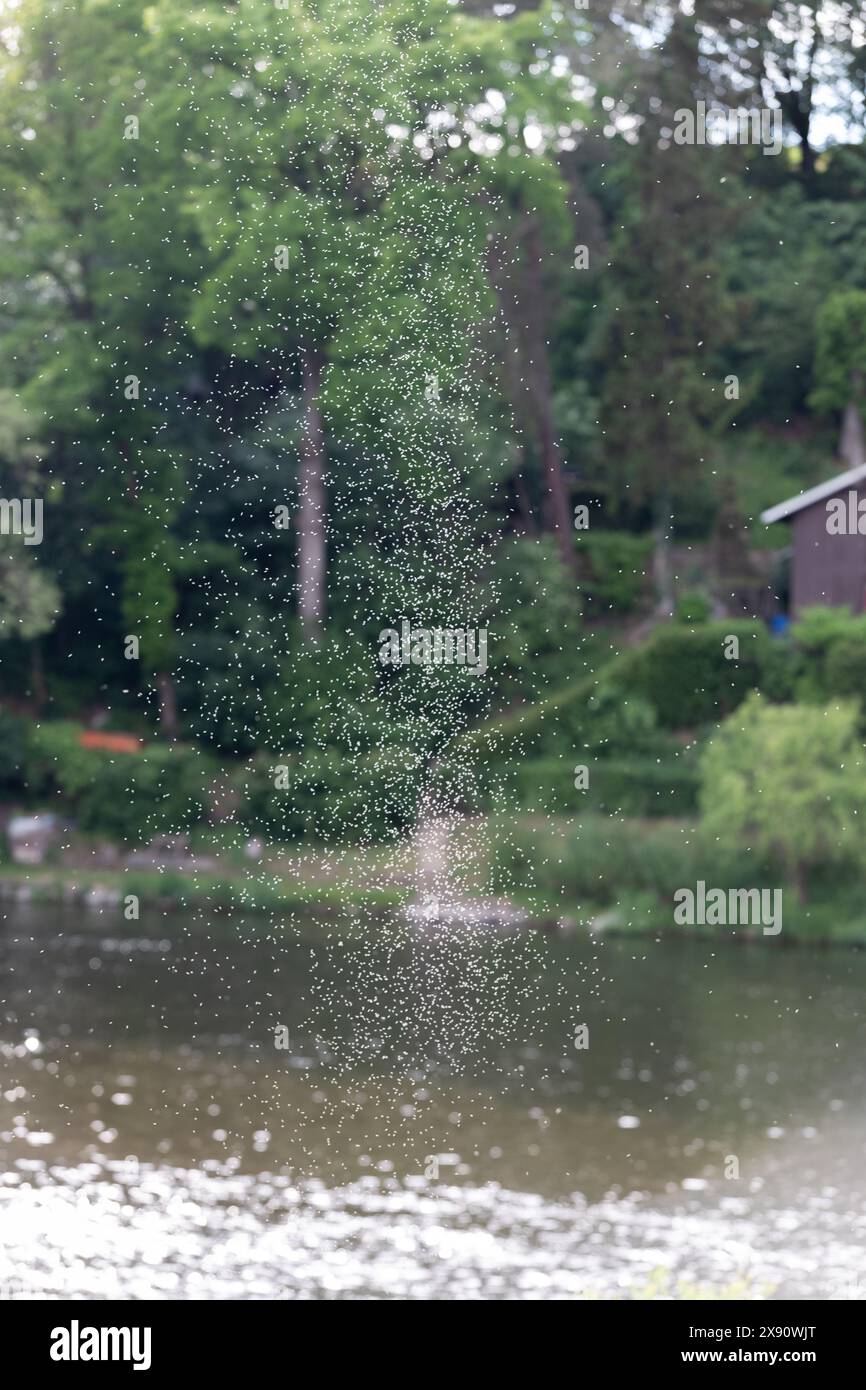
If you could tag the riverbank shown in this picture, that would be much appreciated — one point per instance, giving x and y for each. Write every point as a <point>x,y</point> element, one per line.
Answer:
<point>630,877</point>
<point>599,875</point>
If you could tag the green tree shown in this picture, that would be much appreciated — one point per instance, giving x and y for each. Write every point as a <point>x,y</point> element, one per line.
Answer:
<point>29,596</point>
<point>840,368</point>
<point>96,263</point>
<point>787,781</point>
<point>342,152</point>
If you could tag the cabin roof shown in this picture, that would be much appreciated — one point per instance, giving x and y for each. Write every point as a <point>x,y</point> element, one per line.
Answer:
<point>783,510</point>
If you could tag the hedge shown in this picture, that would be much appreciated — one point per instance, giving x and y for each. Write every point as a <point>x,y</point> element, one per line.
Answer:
<point>162,790</point>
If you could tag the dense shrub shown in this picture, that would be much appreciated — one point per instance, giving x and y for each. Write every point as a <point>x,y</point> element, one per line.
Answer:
<point>693,608</point>
<point>845,668</point>
<point>684,674</point>
<point>616,786</point>
<point>787,781</point>
<point>783,670</point>
<point>599,860</point>
<point>161,790</point>
<point>818,634</point>
<point>535,624</point>
<point>320,796</point>
<point>615,570</point>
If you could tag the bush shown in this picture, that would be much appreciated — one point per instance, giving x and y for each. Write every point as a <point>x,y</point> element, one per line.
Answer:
<point>783,670</point>
<point>845,669</point>
<point>787,781</point>
<point>536,622</point>
<point>817,634</point>
<point>598,861</point>
<point>162,790</point>
<point>646,787</point>
<point>326,798</point>
<point>684,675</point>
<point>616,564</point>
<point>693,608</point>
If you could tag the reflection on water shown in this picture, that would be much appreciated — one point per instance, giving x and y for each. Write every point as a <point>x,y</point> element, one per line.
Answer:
<point>432,1130</point>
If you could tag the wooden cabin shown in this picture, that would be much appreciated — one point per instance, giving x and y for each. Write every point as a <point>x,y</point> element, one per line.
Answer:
<point>828,559</point>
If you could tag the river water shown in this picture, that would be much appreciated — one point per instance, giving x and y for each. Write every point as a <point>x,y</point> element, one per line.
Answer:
<point>456,1115</point>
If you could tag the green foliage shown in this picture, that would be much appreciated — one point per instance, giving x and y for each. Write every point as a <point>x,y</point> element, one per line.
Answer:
<point>385,148</point>
<point>693,608</point>
<point>29,598</point>
<point>787,781</point>
<point>818,634</point>
<point>310,795</point>
<point>161,790</point>
<point>684,675</point>
<point>615,721</point>
<point>617,786</point>
<point>784,668</point>
<point>598,860</point>
<point>846,669</point>
<point>840,354</point>
<point>616,570</point>
<point>535,629</point>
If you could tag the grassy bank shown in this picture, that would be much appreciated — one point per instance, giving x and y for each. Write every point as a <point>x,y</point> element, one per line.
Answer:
<point>620,875</point>
<point>599,873</point>
<point>281,882</point>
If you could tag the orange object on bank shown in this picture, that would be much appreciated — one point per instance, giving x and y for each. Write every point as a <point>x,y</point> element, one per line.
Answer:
<point>116,743</point>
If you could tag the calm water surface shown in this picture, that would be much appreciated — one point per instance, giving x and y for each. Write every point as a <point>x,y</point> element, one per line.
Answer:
<point>432,1129</point>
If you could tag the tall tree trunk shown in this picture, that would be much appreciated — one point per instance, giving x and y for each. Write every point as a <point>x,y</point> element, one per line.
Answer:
<point>312,549</point>
<point>534,318</point>
<point>167,695</point>
<point>851,446</point>
<point>662,557</point>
